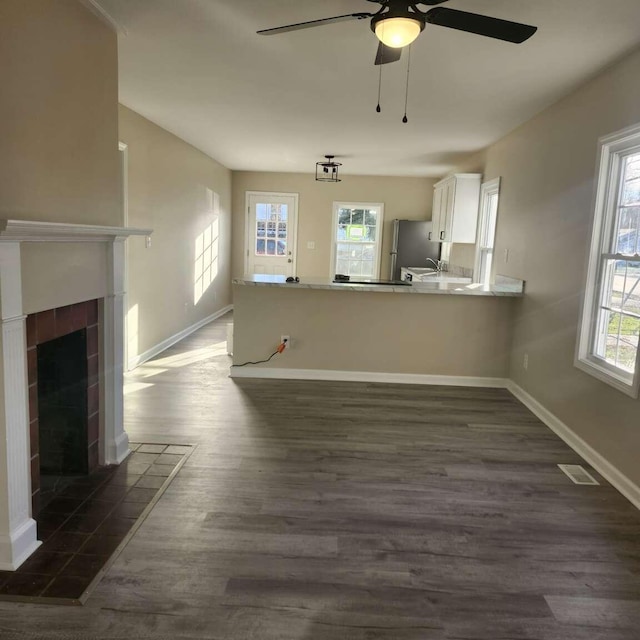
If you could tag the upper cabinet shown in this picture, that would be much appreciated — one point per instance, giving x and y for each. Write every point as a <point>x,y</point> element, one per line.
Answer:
<point>455,208</point>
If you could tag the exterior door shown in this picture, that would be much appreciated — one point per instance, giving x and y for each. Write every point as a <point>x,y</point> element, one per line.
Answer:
<point>271,233</point>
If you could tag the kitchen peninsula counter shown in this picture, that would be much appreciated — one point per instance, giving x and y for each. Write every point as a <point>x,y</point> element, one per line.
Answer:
<point>504,287</point>
<point>347,331</point>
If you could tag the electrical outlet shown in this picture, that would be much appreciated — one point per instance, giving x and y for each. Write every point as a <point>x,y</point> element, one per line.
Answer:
<point>286,340</point>
<point>525,361</point>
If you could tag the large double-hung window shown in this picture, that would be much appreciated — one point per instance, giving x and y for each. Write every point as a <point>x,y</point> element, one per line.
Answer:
<point>610,328</point>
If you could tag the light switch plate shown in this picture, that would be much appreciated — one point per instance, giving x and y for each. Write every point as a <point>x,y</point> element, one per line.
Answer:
<point>311,244</point>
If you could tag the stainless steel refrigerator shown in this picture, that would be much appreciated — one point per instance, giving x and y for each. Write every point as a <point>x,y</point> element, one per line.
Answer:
<point>412,246</point>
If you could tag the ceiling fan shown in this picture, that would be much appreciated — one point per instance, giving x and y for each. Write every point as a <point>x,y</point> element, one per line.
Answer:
<point>398,23</point>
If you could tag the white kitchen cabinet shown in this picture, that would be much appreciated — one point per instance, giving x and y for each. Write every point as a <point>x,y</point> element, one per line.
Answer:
<point>455,208</point>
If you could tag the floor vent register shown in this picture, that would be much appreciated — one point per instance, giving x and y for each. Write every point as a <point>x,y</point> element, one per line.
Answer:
<point>578,474</point>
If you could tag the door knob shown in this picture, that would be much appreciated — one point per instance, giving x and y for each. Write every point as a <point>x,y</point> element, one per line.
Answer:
<point>289,260</point>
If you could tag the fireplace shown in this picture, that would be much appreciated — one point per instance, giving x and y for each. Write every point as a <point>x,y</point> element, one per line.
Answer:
<point>64,396</point>
<point>56,266</point>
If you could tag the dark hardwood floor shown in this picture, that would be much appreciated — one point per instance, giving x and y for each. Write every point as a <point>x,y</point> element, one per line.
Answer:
<point>317,511</point>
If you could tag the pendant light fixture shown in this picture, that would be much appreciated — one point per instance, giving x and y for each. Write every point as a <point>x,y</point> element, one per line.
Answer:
<point>327,171</point>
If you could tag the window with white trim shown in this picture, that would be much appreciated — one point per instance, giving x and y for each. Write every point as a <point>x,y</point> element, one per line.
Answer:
<point>486,238</point>
<point>610,327</point>
<point>357,238</point>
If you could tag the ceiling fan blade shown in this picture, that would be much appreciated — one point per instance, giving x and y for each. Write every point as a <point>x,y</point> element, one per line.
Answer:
<point>314,23</point>
<point>482,25</point>
<point>386,54</point>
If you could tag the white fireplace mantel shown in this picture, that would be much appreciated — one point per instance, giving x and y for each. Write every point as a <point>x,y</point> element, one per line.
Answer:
<point>18,534</point>
<point>33,231</point>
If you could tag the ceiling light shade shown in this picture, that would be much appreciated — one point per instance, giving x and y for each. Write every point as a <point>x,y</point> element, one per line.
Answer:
<point>327,171</point>
<point>398,32</point>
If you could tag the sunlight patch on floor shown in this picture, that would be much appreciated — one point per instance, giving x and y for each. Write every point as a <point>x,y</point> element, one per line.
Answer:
<point>132,387</point>
<point>186,358</point>
<point>148,372</point>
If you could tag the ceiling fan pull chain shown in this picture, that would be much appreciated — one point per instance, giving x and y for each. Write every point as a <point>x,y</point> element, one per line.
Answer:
<point>378,108</point>
<point>406,96</point>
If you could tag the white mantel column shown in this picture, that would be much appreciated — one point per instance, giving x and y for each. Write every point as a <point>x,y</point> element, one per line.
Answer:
<point>18,533</point>
<point>115,442</point>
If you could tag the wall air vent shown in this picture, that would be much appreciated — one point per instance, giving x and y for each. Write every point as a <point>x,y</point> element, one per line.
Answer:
<point>578,474</point>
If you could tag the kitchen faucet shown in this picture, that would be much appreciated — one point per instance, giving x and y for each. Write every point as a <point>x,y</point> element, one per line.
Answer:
<point>437,263</point>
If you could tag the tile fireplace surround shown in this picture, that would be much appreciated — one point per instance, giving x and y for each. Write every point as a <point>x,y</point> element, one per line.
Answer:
<point>18,536</point>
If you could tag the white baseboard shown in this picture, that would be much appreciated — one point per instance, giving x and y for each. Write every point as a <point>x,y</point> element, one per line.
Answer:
<point>169,342</point>
<point>624,485</point>
<point>365,376</point>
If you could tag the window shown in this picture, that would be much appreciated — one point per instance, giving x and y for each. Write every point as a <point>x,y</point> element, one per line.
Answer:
<point>608,338</point>
<point>357,238</point>
<point>489,194</point>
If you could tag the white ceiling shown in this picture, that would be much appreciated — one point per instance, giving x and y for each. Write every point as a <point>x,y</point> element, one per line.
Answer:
<point>280,103</point>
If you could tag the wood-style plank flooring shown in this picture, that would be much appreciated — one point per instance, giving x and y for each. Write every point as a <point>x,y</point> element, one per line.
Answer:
<point>317,511</point>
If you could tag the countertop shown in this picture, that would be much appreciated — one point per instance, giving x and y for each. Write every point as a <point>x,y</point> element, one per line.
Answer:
<point>505,287</point>
<point>421,274</point>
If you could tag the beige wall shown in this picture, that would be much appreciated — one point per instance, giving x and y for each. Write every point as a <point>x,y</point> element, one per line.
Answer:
<point>168,189</point>
<point>58,140</point>
<point>382,332</point>
<point>404,198</point>
<point>58,114</point>
<point>545,214</point>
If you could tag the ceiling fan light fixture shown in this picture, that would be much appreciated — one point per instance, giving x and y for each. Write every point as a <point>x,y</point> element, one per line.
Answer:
<point>398,32</point>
